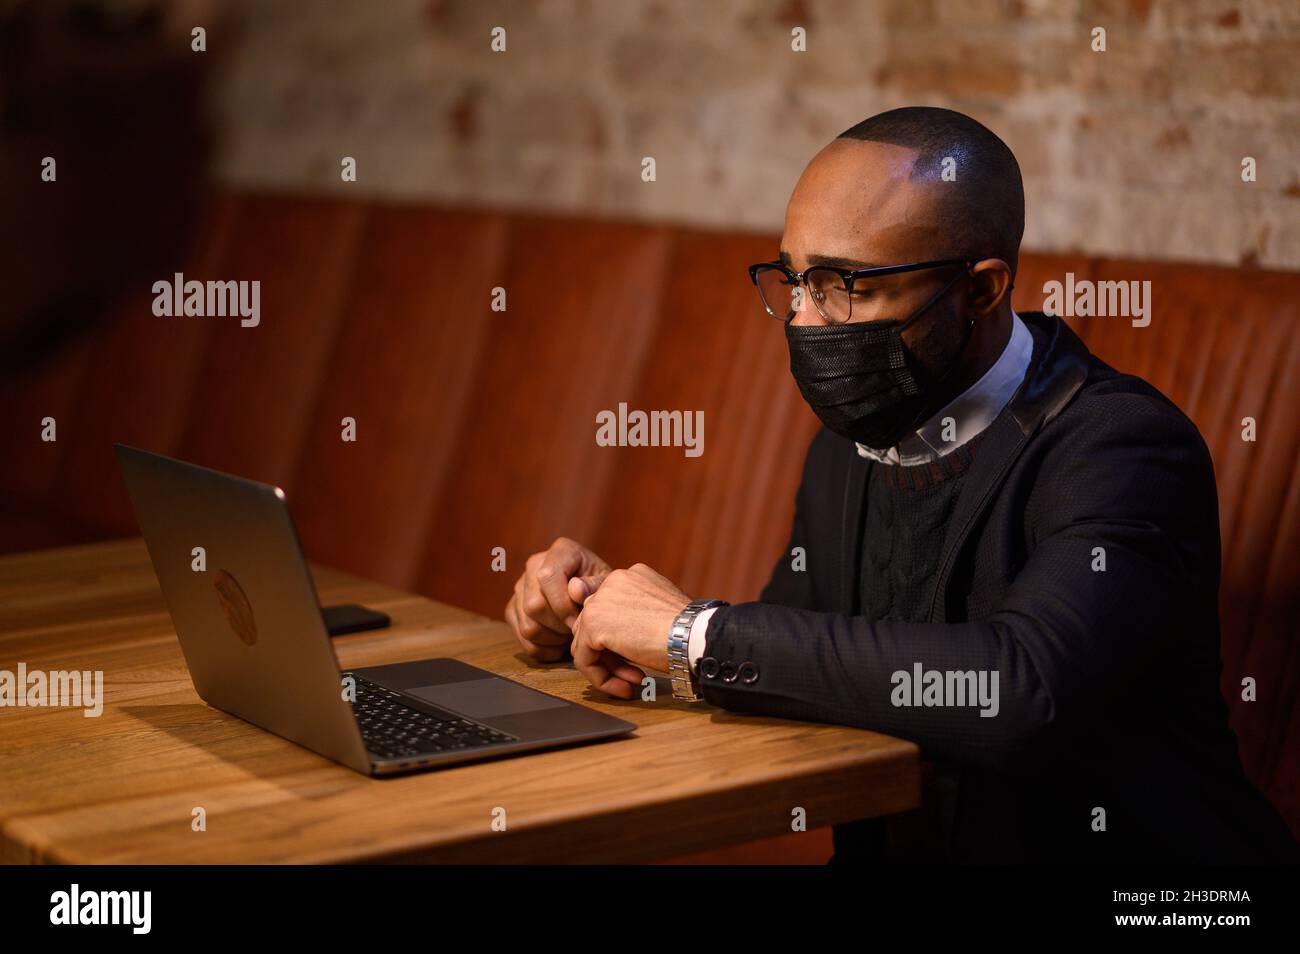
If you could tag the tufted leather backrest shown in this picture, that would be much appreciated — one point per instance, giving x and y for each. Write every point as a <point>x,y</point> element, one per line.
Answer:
<point>476,428</point>
<point>1222,344</point>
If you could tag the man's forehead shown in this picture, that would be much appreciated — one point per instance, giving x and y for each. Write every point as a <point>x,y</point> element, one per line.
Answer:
<point>856,205</point>
<point>848,168</point>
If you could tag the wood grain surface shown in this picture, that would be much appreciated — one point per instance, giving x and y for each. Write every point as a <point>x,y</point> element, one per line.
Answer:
<point>122,787</point>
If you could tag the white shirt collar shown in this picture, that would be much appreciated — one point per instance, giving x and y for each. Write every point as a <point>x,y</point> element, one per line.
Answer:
<point>971,411</point>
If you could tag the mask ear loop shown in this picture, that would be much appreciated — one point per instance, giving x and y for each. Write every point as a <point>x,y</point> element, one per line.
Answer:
<point>937,295</point>
<point>952,365</point>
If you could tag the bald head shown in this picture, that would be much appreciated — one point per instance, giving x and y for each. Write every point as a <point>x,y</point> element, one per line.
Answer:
<point>980,205</point>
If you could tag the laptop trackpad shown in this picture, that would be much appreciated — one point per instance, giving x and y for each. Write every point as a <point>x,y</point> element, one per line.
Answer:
<point>482,698</point>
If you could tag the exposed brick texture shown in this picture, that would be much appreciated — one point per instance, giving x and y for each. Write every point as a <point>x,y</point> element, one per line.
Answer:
<point>1135,152</point>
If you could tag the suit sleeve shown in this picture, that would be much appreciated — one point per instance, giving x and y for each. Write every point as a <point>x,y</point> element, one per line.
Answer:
<point>1133,478</point>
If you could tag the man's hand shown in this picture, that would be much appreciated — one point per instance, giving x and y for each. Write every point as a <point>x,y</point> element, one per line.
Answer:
<point>623,627</point>
<point>540,612</point>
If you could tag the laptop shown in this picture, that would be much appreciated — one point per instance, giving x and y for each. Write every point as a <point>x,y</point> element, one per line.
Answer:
<point>255,641</point>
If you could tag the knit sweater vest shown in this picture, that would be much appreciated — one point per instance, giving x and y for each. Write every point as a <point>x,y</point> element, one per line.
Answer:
<point>907,513</point>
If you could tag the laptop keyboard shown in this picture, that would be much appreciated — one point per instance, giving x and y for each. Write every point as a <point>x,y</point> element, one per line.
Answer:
<point>393,729</point>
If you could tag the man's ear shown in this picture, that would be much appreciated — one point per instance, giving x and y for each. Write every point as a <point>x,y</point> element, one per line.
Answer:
<point>990,284</point>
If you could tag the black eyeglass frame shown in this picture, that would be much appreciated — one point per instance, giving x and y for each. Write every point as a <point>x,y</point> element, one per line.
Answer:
<point>847,275</point>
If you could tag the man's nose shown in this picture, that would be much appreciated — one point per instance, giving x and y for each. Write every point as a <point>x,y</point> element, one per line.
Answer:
<point>805,313</point>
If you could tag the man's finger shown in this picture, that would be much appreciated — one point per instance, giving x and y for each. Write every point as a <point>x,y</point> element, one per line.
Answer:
<point>594,665</point>
<point>581,587</point>
<point>535,606</point>
<point>545,654</point>
<point>620,667</point>
<point>553,576</point>
<point>528,628</point>
<point>524,626</point>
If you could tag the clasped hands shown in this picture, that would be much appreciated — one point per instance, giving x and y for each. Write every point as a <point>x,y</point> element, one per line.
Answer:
<point>614,623</point>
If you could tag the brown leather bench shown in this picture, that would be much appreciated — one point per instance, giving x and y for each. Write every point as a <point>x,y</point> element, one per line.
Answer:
<point>476,428</point>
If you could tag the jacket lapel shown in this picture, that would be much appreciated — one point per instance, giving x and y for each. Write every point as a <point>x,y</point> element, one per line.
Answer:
<point>1056,372</point>
<point>857,470</point>
<point>999,448</point>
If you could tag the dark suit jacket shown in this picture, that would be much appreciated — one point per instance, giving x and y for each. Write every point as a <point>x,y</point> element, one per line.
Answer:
<point>1108,680</point>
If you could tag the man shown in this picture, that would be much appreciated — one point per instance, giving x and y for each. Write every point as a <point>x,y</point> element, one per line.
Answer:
<point>1012,550</point>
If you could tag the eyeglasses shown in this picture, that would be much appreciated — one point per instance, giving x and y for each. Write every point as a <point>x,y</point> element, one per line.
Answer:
<point>831,289</point>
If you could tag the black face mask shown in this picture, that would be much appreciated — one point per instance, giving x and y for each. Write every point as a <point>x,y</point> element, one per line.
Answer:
<point>858,377</point>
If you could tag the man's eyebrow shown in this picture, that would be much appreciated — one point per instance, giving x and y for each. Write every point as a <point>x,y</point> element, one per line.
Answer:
<point>837,262</point>
<point>834,261</point>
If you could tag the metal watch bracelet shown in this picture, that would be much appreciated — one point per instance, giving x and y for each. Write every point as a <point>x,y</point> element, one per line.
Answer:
<point>685,686</point>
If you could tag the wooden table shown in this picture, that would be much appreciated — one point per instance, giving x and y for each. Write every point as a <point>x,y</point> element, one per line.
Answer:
<point>122,787</point>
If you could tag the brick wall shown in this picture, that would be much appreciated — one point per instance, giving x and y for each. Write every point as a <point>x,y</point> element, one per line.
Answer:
<point>1134,152</point>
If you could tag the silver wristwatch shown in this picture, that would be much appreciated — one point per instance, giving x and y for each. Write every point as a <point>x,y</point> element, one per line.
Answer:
<point>679,662</point>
